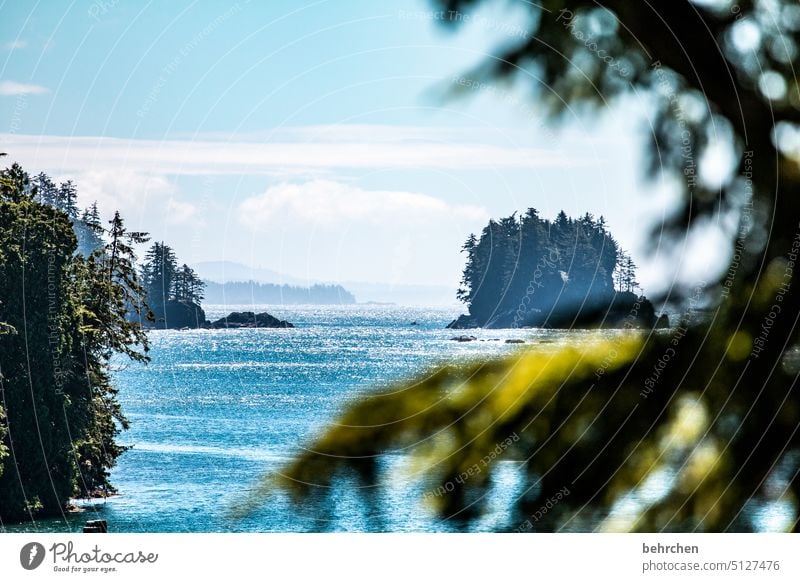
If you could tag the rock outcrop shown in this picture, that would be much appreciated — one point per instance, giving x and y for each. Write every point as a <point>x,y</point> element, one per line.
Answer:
<point>618,310</point>
<point>178,315</point>
<point>248,319</point>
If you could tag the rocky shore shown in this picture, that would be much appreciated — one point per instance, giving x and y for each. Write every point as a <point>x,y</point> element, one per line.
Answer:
<point>617,311</point>
<point>185,316</point>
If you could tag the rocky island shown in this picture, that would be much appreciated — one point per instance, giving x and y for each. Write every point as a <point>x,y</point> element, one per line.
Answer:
<point>566,273</point>
<point>249,319</point>
<point>172,296</point>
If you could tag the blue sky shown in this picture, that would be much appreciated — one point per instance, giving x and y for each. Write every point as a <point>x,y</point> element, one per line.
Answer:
<point>312,138</point>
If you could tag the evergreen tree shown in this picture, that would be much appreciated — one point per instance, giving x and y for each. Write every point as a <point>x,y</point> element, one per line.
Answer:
<point>173,293</point>
<point>92,217</point>
<point>187,286</point>
<point>47,189</point>
<point>618,274</point>
<point>63,319</point>
<point>119,264</point>
<point>491,270</point>
<point>87,225</point>
<point>527,268</point>
<point>470,280</point>
<point>67,199</point>
<point>158,275</point>
<point>89,230</point>
<point>630,283</point>
<point>15,184</point>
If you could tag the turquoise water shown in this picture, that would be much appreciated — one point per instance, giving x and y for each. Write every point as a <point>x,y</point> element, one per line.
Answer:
<point>215,409</point>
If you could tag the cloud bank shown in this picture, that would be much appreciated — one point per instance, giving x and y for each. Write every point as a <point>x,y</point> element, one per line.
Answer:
<point>326,203</point>
<point>62,154</point>
<point>11,88</point>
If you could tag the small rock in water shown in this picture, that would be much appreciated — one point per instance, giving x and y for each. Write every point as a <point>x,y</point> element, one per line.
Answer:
<point>515,341</point>
<point>463,338</point>
<point>248,319</point>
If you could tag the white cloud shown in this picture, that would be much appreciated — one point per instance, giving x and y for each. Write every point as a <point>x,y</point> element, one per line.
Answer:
<point>144,199</point>
<point>13,88</point>
<point>180,212</point>
<point>334,231</point>
<point>59,154</point>
<point>334,204</point>
<point>15,44</point>
<point>124,190</point>
<point>364,133</point>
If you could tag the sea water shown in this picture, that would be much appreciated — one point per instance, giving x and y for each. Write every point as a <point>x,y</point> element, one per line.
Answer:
<point>215,410</point>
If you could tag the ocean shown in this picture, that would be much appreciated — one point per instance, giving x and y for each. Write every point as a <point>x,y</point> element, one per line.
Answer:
<point>216,409</point>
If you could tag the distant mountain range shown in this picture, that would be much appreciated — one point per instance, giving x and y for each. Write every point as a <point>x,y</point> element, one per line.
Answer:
<point>228,280</point>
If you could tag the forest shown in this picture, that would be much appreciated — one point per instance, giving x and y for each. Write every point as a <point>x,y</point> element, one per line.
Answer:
<point>244,292</point>
<point>532,272</point>
<point>172,292</point>
<point>72,295</point>
<point>67,284</point>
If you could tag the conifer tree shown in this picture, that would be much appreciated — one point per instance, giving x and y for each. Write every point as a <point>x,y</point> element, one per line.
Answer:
<point>64,316</point>
<point>187,286</point>
<point>89,230</point>
<point>67,199</point>
<point>47,189</point>
<point>158,274</point>
<point>527,264</point>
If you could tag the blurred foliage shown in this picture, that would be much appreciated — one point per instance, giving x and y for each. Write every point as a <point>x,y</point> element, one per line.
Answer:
<point>711,409</point>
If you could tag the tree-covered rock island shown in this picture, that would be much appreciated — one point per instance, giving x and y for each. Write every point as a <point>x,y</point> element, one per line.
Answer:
<point>528,271</point>
<point>173,293</point>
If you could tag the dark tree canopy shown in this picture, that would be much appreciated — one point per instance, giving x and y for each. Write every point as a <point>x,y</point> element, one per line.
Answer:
<point>187,287</point>
<point>173,293</point>
<point>529,271</point>
<point>88,225</point>
<point>63,317</point>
